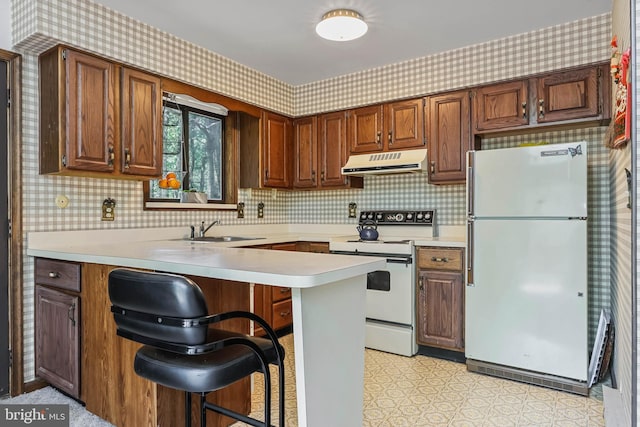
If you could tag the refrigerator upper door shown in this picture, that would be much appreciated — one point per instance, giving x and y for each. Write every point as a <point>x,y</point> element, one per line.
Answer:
<point>527,305</point>
<point>534,181</point>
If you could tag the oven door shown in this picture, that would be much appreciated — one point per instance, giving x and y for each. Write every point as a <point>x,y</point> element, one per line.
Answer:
<point>390,292</point>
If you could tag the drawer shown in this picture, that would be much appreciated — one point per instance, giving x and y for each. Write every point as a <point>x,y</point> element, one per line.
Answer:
<point>282,315</point>
<point>440,258</point>
<point>279,293</point>
<point>61,274</point>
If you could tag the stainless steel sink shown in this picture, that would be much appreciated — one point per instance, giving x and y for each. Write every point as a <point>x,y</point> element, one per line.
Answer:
<point>223,238</point>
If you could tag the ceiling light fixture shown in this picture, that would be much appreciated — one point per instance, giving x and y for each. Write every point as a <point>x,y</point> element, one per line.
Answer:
<point>341,25</point>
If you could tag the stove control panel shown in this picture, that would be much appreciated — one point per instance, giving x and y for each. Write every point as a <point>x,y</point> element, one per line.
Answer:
<point>421,217</point>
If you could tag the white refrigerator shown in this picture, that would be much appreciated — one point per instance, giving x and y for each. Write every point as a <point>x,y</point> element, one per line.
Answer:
<point>526,287</point>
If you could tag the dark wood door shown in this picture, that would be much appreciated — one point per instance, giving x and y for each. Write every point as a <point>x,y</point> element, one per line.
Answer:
<point>568,95</point>
<point>141,100</point>
<point>501,106</point>
<point>4,236</point>
<point>448,135</point>
<point>365,129</point>
<point>57,339</point>
<point>332,129</point>
<point>404,122</point>
<point>306,152</point>
<point>90,115</point>
<point>277,138</point>
<point>440,309</point>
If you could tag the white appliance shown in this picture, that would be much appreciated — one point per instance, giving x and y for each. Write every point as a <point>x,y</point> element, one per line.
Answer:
<point>526,291</point>
<point>390,305</point>
<point>399,161</point>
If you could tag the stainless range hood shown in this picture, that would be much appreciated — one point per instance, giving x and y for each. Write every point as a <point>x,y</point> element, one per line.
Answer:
<point>386,163</point>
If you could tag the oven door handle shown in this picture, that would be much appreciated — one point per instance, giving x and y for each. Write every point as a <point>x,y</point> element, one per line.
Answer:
<point>403,260</point>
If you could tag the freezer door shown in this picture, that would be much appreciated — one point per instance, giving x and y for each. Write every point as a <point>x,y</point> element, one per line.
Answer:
<point>527,305</point>
<point>537,181</point>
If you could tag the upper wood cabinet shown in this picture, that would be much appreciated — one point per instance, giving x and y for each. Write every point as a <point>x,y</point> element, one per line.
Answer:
<point>574,94</point>
<point>392,126</point>
<point>448,135</point>
<point>365,127</point>
<point>501,106</point>
<point>141,99</point>
<point>80,113</point>
<point>305,144</point>
<point>320,151</point>
<point>276,140</point>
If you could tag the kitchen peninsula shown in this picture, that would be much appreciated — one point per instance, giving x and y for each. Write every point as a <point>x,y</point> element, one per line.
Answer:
<point>328,295</point>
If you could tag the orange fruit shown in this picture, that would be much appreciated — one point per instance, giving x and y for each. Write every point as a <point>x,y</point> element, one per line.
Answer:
<point>171,175</point>
<point>173,183</point>
<point>163,183</point>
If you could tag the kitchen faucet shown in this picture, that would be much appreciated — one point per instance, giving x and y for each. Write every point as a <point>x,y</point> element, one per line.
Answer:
<point>203,230</point>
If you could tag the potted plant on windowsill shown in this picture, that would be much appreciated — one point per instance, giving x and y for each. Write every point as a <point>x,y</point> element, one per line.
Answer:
<point>193,196</point>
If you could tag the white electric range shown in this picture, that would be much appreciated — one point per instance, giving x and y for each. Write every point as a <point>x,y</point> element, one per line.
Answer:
<point>390,306</point>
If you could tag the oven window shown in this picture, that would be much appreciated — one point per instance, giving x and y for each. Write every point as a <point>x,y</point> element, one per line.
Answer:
<point>379,280</point>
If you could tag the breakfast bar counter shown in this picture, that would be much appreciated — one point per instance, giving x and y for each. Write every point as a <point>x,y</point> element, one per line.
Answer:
<point>328,296</point>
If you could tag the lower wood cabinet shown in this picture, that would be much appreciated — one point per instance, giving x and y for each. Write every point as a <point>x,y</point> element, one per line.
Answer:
<point>57,304</point>
<point>440,298</point>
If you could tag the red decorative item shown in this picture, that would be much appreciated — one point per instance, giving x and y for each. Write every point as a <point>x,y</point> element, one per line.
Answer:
<point>622,114</point>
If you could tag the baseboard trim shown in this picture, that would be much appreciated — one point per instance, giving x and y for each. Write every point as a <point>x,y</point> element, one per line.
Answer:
<point>613,408</point>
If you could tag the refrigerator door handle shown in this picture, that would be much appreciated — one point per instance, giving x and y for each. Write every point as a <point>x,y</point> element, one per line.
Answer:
<point>470,253</point>
<point>470,160</point>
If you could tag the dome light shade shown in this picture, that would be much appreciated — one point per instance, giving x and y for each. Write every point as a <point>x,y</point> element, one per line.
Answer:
<point>341,25</point>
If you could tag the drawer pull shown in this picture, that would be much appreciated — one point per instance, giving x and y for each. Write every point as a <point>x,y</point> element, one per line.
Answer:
<point>284,291</point>
<point>72,314</point>
<point>285,313</point>
<point>435,259</point>
<point>54,275</point>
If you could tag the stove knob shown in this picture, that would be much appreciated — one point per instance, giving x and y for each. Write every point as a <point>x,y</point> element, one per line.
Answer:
<point>419,216</point>
<point>370,216</point>
<point>409,216</point>
<point>399,217</point>
<point>363,215</point>
<point>427,215</point>
<point>379,217</point>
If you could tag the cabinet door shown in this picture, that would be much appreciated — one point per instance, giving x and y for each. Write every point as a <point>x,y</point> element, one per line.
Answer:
<point>365,129</point>
<point>405,124</point>
<point>501,106</point>
<point>448,134</point>
<point>57,342</point>
<point>440,308</point>
<point>276,144</point>
<point>568,95</point>
<point>141,124</point>
<point>305,149</point>
<point>333,149</point>
<point>90,100</point>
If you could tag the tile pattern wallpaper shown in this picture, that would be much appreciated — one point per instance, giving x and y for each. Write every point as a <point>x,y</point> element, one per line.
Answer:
<point>38,24</point>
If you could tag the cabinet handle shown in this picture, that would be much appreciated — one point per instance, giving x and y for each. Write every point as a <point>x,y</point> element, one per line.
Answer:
<point>54,275</point>
<point>72,314</point>
<point>379,138</point>
<point>524,110</point>
<point>421,284</point>
<point>112,156</point>
<point>284,291</point>
<point>541,108</point>
<point>322,176</point>
<point>390,140</point>
<point>433,167</point>
<point>127,158</point>
<point>435,259</point>
<point>266,174</point>
<point>284,313</point>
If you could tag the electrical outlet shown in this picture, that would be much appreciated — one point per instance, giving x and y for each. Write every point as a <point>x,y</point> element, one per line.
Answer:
<point>260,210</point>
<point>352,209</point>
<point>240,210</point>
<point>108,209</point>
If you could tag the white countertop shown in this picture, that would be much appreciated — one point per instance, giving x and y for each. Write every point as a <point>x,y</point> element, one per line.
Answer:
<point>163,249</point>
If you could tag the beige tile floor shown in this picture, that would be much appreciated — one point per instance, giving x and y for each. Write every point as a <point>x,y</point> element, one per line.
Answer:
<point>424,391</point>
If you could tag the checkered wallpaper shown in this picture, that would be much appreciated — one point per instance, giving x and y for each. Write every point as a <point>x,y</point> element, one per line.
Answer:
<point>39,24</point>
